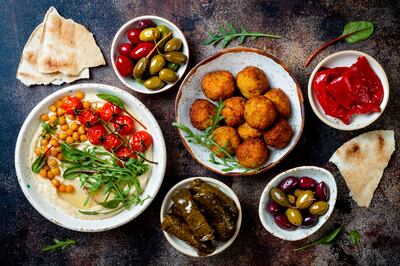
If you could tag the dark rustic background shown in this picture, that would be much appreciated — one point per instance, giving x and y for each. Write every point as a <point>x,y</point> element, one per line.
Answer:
<point>304,25</point>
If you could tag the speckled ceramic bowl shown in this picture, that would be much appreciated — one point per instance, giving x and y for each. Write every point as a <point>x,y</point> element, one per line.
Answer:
<point>267,220</point>
<point>120,37</point>
<point>181,245</point>
<point>50,211</point>
<point>346,59</point>
<point>234,60</point>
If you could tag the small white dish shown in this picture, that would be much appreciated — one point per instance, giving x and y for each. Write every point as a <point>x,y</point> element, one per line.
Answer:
<point>267,219</point>
<point>181,245</point>
<point>53,213</point>
<point>120,37</point>
<point>346,59</point>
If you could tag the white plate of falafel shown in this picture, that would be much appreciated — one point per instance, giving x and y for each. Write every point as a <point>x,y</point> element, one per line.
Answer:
<point>239,112</point>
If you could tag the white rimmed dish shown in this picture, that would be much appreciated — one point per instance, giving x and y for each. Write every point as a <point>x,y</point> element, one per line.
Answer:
<point>181,245</point>
<point>49,210</point>
<point>346,59</point>
<point>267,219</point>
<point>120,37</point>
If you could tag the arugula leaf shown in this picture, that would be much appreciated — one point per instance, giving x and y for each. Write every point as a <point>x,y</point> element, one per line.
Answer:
<point>112,99</point>
<point>358,31</point>
<point>38,163</point>
<point>328,239</point>
<point>59,245</point>
<point>49,129</point>
<point>355,237</point>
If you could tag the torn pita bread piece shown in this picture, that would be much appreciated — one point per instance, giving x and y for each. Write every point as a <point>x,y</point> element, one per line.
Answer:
<point>362,160</point>
<point>28,72</point>
<point>66,46</point>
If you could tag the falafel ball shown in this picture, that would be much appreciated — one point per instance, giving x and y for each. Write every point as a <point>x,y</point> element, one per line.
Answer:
<point>233,111</point>
<point>280,100</point>
<point>218,84</point>
<point>279,135</point>
<point>247,132</point>
<point>252,81</point>
<point>227,138</point>
<point>252,153</point>
<point>259,112</point>
<point>201,113</point>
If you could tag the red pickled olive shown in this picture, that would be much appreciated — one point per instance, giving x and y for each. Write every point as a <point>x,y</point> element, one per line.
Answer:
<point>322,191</point>
<point>124,65</point>
<point>133,35</point>
<point>273,208</point>
<point>309,220</point>
<point>125,49</point>
<point>307,183</point>
<point>283,222</point>
<point>144,23</point>
<point>289,184</point>
<point>142,50</point>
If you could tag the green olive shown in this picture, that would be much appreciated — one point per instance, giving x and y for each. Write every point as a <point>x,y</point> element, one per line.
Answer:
<point>294,216</point>
<point>297,192</point>
<point>168,75</point>
<point>156,64</point>
<point>172,66</point>
<point>305,199</point>
<point>141,67</point>
<point>318,208</point>
<point>292,199</point>
<point>280,197</point>
<point>154,83</point>
<point>174,44</point>
<point>164,30</point>
<point>176,58</point>
<point>149,35</point>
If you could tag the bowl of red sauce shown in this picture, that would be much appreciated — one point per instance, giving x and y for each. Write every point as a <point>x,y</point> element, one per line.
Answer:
<point>348,90</point>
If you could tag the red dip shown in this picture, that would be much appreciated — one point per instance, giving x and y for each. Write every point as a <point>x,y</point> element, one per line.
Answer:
<point>345,91</point>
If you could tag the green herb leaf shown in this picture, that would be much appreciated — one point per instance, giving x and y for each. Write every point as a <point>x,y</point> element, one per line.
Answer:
<point>59,245</point>
<point>49,129</point>
<point>110,204</point>
<point>98,213</point>
<point>358,31</point>
<point>112,99</point>
<point>355,237</point>
<point>328,239</point>
<point>38,163</point>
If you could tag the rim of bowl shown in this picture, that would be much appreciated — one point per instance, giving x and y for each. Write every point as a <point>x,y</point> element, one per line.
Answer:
<point>322,116</point>
<point>121,31</point>
<point>213,57</point>
<point>31,116</point>
<point>213,181</point>
<point>310,231</point>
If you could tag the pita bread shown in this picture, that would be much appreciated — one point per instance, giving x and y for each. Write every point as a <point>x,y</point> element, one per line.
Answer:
<point>361,162</point>
<point>28,72</point>
<point>66,46</point>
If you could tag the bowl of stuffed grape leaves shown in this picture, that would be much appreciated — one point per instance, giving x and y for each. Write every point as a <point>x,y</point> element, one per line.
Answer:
<point>201,216</point>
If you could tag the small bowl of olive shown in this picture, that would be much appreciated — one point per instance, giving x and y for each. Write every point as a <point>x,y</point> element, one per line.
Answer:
<point>149,54</point>
<point>297,202</point>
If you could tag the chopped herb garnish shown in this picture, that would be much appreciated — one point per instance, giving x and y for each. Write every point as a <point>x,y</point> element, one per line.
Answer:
<point>59,245</point>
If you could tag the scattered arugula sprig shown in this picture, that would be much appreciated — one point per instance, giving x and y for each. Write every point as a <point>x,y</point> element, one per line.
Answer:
<point>48,128</point>
<point>355,237</point>
<point>328,239</point>
<point>59,245</point>
<point>229,33</point>
<point>206,139</point>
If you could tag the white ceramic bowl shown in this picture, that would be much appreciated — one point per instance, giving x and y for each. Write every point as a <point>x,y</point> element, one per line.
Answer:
<point>267,220</point>
<point>181,245</point>
<point>346,59</point>
<point>120,37</point>
<point>46,208</point>
<point>234,60</point>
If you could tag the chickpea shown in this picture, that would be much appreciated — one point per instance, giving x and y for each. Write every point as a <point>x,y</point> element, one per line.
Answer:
<point>64,127</point>
<point>75,136</point>
<point>74,126</point>
<point>62,120</point>
<point>54,143</point>
<point>45,142</point>
<point>53,152</point>
<point>38,151</point>
<point>44,148</point>
<point>50,174</point>
<point>69,140</point>
<point>69,189</point>
<point>52,163</point>
<point>63,136</point>
<point>62,188</point>
<point>46,167</point>
<point>53,119</point>
<point>47,137</point>
<point>82,138</point>
<point>55,171</point>
<point>71,117</point>
<point>69,132</point>
<point>60,156</point>
<point>55,182</point>
<point>86,104</point>
<point>60,111</point>
<point>53,108</point>
<point>80,94</point>
<point>43,173</point>
<point>81,130</point>
<point>58,103</point>
<point>44,117</point>
<point>58,149</point>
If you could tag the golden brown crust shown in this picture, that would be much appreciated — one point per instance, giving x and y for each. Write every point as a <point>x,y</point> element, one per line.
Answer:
<point>247,132</point>
<point>279,135</point>
<point>218,84</point>
<point>252,153</point>
<point>252,81</point>
<point>227,138</point>
<point>259,112</point>
<point>280,100</point>
<point>233,111</point>
<point>201,113</point>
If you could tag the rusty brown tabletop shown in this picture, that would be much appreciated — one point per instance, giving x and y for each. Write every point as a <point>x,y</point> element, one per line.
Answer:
<point>304,25</point>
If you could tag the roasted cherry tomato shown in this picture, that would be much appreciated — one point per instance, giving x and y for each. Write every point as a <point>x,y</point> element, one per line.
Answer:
<point>124,153</point>
<point>133,35</point>
<point>124,65</point>
<point>108,111</point>
<point>97,134</point>
<point>87,118</point>
<point>141,50</point>
<point>124,124</point>
<point>71,104</point>
<point>111,142</point>
<point>141,141</point>
<point>125,49</point>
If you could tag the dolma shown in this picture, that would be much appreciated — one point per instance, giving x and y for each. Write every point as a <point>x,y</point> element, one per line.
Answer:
<point>196,221</point>
<point>199,186</point>
<point>174,226</point>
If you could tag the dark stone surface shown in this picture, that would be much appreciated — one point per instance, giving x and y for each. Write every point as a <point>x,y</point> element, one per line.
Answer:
<point>304,26</point>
